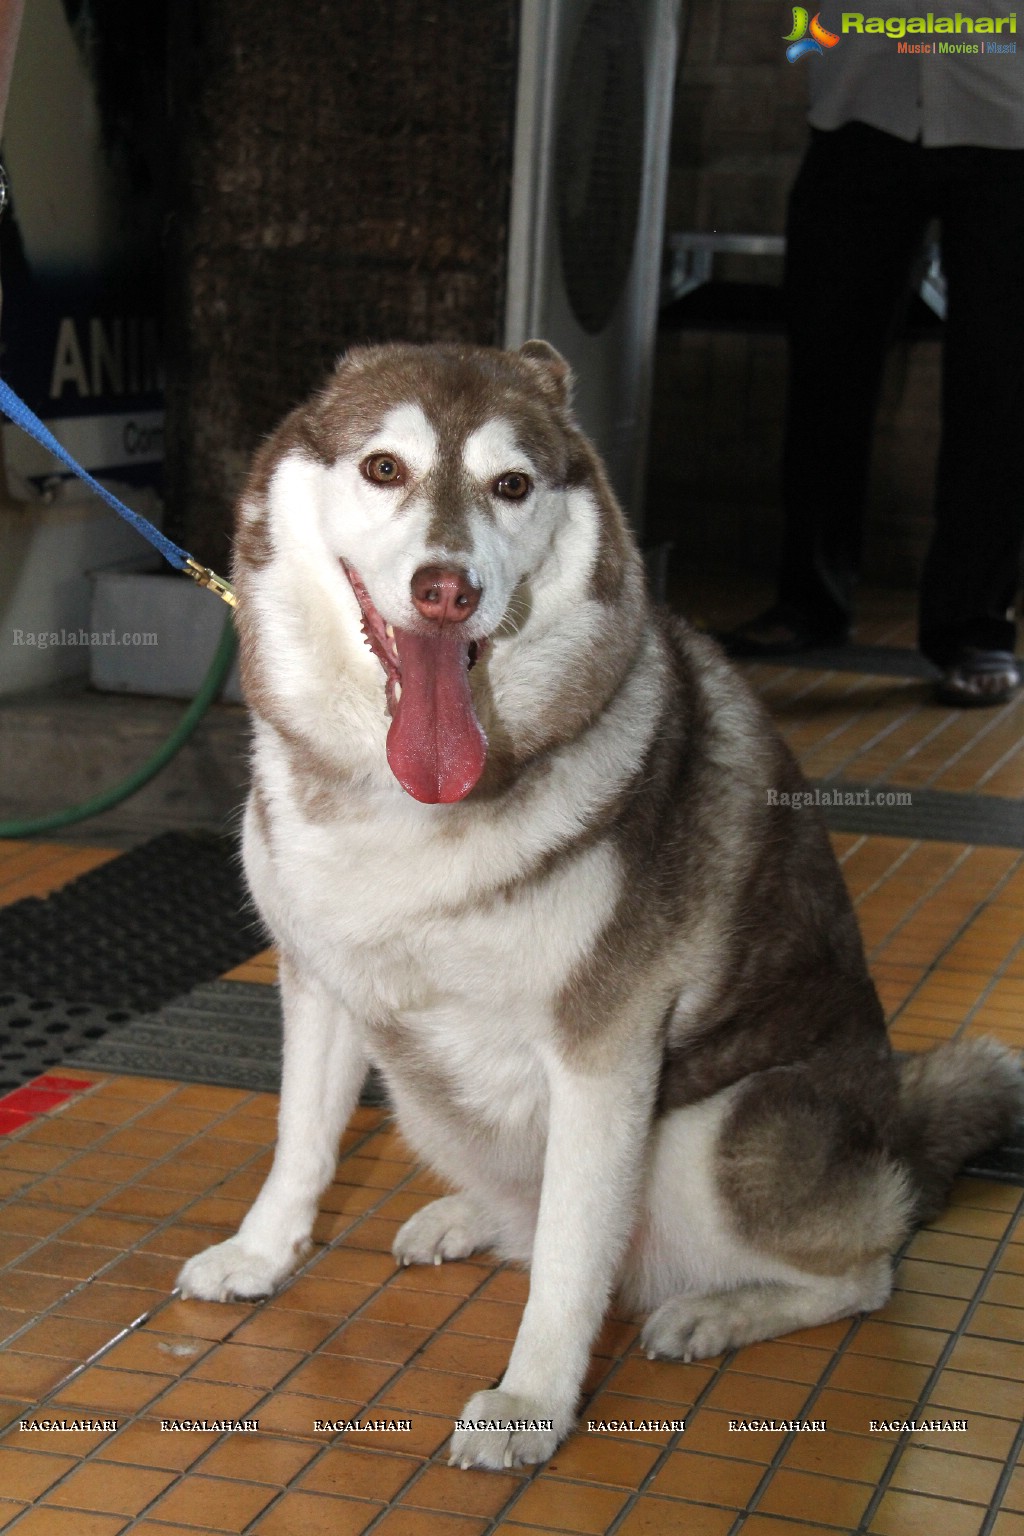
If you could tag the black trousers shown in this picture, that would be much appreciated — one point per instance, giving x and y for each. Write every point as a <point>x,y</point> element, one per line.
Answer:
<point>857,216</point>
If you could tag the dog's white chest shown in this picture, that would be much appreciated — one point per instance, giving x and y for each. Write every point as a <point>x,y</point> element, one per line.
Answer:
<point>454,974</point>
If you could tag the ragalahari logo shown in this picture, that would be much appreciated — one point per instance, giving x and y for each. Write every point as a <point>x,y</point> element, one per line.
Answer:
<point>799,41</point>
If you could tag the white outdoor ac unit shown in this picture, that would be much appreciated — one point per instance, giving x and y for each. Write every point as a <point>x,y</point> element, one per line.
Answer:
<point>593,115</point>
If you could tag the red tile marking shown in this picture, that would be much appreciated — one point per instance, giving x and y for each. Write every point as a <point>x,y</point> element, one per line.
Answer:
<point>36,1098</point>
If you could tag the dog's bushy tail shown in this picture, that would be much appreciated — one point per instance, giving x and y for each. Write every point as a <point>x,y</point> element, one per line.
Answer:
<point>956,1101</point>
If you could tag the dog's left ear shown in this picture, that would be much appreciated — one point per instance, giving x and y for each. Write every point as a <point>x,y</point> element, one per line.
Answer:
<point>556,371</point>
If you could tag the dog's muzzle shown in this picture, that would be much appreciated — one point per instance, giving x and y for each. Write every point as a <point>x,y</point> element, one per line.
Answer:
<point>436,746</point>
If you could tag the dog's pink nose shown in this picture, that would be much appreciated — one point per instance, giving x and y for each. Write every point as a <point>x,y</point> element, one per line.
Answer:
<point>444,596</point>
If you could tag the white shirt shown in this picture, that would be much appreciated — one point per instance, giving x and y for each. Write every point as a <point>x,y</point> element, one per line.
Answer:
<point>939,98</point>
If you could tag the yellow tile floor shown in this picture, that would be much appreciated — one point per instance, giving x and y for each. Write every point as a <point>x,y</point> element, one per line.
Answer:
<point>102,1198</point>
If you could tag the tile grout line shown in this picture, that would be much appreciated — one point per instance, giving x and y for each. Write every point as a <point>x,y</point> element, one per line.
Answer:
<point>859,841</point>
<point>170,1220</point>
<point>137,1415</point>
<point>989,901</point>
<point>154,1312</point>
<point>998,1493</point>
<point>334,1441</point>
<point>997,767</point>
<point>676,1442</point>
<point>873,742</point>
<point>938,729</point>
<point>840,1353</point>
<point>80,1213</point>
<point>955,1337</point>
<point>874,953</point>
<point>913,843</point>
<point>990,985</point>
<point>997,718</point>
<point>829,737</point>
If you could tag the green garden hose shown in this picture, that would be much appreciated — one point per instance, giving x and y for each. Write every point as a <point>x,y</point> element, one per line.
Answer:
<point>208,691</point>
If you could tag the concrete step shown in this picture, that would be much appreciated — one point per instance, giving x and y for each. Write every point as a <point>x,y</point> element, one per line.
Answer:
<point>63,744</point>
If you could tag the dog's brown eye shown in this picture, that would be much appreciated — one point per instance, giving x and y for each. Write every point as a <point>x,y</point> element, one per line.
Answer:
<point>513,486</point>
<point>384,469</point>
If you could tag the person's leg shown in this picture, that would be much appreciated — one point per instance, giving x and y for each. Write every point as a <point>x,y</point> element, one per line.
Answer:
<point>972,571</point>
<point>856,222</point>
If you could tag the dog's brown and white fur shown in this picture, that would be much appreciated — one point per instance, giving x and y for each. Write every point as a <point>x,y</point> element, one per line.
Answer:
<point>618,995</point>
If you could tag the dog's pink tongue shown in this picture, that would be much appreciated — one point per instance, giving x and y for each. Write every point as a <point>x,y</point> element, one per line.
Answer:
<point>436,747</point>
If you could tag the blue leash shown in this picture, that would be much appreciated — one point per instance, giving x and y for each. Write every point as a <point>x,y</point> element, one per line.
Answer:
<point>18,412</point>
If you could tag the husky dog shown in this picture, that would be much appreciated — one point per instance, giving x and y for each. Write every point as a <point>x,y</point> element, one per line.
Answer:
<point>513,833</point>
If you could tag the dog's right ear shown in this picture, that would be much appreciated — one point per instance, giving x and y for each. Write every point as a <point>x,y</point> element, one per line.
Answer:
<point>552,365</point>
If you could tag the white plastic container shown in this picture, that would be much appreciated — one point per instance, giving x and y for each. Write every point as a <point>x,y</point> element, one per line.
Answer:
<point>154,632</point>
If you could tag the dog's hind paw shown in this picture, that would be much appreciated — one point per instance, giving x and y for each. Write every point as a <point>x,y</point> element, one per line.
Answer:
<point>450,1228</point>
<point>231,1271</point>
<point>693,1328</point>
<point>499,1430</point>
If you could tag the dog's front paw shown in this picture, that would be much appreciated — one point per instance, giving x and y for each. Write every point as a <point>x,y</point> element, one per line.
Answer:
<point>691,1328</point>
<point>499,1429</point>
<point>231,1271</point>
<point>445,1229</point>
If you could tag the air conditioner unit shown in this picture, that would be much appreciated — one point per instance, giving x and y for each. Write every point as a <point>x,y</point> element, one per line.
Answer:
<point>590,163</point>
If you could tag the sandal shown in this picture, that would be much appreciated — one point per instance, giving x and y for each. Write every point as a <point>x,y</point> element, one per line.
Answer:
<point>979,679</point>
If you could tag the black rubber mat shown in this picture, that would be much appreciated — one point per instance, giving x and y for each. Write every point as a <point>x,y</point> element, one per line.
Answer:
<point>1005,1164</point>
<point>875,660</point>
<point>227,1033</point>
<point>135,932</point>
<point>222,1032</point>
<point>933,815</point>
<point>37,1034</point>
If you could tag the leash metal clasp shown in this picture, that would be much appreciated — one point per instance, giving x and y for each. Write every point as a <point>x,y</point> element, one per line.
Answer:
<point>207,578</point>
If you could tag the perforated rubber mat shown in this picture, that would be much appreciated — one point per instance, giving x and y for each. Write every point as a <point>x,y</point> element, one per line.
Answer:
<point>115,943</point>
<point>39,1033</point>
<point>135,932</point>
